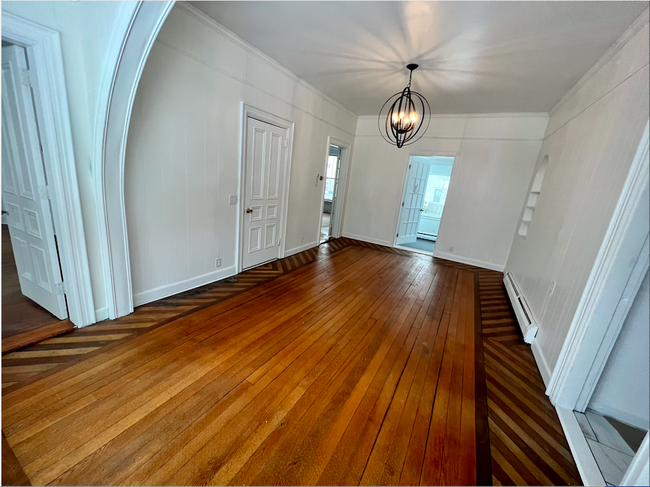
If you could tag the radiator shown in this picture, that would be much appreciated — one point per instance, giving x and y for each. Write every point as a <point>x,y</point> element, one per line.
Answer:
<point>522,311</point>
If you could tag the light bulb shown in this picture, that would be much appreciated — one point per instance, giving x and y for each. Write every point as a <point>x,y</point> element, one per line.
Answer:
<point>413,117</point>
<point>401,115</point>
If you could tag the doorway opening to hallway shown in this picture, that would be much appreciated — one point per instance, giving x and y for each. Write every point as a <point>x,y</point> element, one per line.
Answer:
<point>331,180</point>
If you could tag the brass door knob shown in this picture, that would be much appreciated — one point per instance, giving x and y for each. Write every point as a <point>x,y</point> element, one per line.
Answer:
<point>249,210</point>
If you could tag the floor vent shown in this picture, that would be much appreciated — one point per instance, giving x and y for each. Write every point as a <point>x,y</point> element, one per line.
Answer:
<point>522,311</point>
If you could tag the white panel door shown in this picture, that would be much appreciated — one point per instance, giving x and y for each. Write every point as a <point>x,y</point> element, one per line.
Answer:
<point>264,185</point>
<point>24,189</point>
<point>412,201</point>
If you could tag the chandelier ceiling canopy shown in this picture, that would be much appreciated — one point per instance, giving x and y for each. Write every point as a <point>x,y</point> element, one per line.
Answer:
<point>404,118</point>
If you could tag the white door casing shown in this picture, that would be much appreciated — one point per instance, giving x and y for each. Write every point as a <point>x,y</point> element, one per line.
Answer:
<point>24,190</point>
<point>417,177</point>
<point>265,152</point>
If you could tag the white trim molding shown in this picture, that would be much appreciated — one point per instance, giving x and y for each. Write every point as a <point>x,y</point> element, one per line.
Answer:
<point>182,286</point>
<point>363,238</point>
<point>339,206</point>
<point>246,112</point>
<point>638,473</point>
<point>136,29</point>
<point>584,458</point>
<point>467,260</point>
<point>43,48</point>
<point>631,31</point>
<point>639,422</point>
<point>614,281</point>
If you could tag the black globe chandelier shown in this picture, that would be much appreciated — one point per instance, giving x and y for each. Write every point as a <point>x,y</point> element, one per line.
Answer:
<point>403,121</point>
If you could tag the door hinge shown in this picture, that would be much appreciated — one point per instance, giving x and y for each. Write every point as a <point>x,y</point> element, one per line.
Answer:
<point>60,289</point>
<point>397,235</point>
<point>409,166</point>
<point>25,77</point>
<point>44,192</point>
<point>286,143</point>
<point>402,203</point>
<point>279,240</point>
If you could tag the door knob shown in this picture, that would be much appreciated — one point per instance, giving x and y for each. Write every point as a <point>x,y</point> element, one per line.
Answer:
<point>249,210</point>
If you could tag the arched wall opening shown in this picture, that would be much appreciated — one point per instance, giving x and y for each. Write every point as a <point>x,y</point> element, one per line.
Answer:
<point>136,30</point>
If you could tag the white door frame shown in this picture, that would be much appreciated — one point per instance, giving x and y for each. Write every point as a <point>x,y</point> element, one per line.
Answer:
<point>337,216</point>
<point>405,172</point>
<point>614,281</point>
<point>136,29</point>
<point>246,112</point>
<point>43,48</point>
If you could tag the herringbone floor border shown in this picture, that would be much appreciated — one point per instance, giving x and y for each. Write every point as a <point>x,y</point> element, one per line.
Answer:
<point>527,444</point>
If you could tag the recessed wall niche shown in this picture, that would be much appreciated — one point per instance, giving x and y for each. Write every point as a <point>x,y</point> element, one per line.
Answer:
<point>533,197</point>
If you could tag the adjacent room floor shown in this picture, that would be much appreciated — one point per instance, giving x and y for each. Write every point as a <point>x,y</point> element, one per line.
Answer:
<point>421,244</point>
<point>325,227</point>
<point>348,363</point>
<point>23,321</point>
<point>612,443</point>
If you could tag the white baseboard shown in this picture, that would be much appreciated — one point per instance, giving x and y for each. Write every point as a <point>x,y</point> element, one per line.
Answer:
<point>585,461</point>
<point>179,287</point>
<point>302,248</point>
<point>466,260</point>
<point>101,314</point>
<point>363,238</point>
<point>622,416</point>
<point>544,369</point>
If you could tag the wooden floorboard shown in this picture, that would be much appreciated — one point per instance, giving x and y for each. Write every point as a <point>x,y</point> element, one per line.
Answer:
<point>527,443</point>
<point>347,364</point>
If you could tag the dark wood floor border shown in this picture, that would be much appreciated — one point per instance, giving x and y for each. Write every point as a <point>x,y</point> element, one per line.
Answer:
<point>483,454</point>
<point>12,470</point>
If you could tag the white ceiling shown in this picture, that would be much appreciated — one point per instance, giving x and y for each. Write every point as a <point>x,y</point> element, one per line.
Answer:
<point>475,57</point>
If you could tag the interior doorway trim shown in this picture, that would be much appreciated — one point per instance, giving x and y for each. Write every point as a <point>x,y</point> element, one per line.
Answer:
<point>613,283</point>
<point>43,48</point>
<point>136,29</point>
<point>339,207</point>
<point>246,112</point>
<point>405,172</point>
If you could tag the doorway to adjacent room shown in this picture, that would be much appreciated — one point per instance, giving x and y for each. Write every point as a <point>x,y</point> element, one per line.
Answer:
<point>331,179</point>
<point>423,202</point>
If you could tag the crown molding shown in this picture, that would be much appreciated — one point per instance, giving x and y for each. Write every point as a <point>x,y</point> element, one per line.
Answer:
<point>631,31</point>
<point>231,36</point>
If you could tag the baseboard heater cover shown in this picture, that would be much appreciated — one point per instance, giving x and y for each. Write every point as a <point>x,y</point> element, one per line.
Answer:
<point>522,311</point>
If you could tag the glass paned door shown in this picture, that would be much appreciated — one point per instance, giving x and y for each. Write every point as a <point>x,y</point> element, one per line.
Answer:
<point>331,187</point>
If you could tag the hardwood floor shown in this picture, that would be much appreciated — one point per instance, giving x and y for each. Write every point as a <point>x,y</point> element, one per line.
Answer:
<point>350,364</point>
<point>527,442</point>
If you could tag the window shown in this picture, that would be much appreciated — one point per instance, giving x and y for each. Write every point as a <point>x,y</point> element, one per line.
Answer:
<point>435,196</point>
<point>533,196</point>
<point>330,176</point>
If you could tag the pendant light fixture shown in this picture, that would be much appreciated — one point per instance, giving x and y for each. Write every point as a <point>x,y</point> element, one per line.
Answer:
<point>402,118</point>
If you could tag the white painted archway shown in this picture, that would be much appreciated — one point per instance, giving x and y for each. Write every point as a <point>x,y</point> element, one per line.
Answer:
<point>136,30</point>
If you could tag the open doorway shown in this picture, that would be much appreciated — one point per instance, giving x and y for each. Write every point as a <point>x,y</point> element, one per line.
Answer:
<point>423,202</point>
<point>33,300</point>
<point>331,179</point>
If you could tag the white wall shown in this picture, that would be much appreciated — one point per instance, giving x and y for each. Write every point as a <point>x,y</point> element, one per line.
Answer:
<point>591,139</point>
<point>182,158</point>
<point>85,29</point>
<point>495,156</point>
<point>622,391</point>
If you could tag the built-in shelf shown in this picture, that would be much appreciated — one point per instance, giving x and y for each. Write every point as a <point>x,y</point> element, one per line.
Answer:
<point>533,196</point>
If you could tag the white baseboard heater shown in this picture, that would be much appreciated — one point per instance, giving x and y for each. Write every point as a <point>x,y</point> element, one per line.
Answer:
<point>522,311</point>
